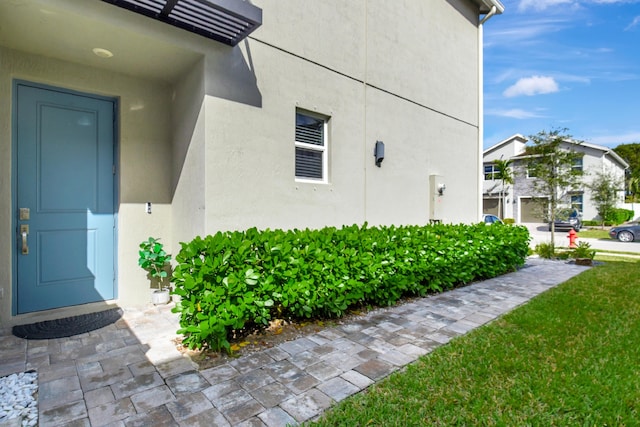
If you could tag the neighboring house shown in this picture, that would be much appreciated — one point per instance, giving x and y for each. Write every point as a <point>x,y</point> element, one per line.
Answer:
<point>124,119</point>
<point>521,203</point>
<point>492,189</point>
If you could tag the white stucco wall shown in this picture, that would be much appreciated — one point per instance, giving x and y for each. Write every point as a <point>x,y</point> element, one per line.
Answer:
<point>504,150</point>
<point>595,161</point>
<point>420,100</point>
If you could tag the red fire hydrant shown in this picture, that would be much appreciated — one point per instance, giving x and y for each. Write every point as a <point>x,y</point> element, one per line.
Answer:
<point>573,236</point>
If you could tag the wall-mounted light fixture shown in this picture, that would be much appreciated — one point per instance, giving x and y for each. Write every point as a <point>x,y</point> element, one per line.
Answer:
<point>378,153</point>
<point>441,188</point>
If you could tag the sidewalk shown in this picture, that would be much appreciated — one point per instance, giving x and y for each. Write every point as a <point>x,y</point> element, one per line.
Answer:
<point>131,374</point>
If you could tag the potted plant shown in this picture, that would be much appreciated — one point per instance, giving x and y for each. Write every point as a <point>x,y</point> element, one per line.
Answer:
<point>155,261</point>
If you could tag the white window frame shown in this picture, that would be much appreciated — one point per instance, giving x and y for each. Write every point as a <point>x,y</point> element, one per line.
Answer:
<point>528,169</point>
<point>576,204</point>
<point>578,164</point>
<point>489,176</point>
<point>324,149</point>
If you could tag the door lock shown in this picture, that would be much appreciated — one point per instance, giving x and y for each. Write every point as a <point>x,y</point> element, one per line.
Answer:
<point>25,213</point>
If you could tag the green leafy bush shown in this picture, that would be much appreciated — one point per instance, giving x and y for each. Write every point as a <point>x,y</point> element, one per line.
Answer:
<point>545,250</point>
<point>583,250</point>
<point>618,216</point>
<point>233,282</point>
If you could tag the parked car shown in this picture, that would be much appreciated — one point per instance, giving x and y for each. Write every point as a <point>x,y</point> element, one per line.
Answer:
<point>625,233</point>
<point>491,219</point>
<point>567,219</point>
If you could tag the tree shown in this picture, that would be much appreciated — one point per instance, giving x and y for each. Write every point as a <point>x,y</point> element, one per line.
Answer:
<point>551,161</point>
<point>503,172</point>
<point>633,185</point>
<point>631,154</point>
<point>604,190</point>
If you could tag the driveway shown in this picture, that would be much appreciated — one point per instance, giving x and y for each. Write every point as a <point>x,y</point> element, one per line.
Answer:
<point>540,233</point>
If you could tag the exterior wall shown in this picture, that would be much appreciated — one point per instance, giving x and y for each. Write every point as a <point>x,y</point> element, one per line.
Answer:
<point>188,123</point>
<point>598,161</point>
<point>398,192</point>
<point>144,163</point>
<point>426,52</point>
<point>522,188</point>
<point>250,172</point>
<point>505,149</point>
<point>491,188</point>
<point>355,74</point>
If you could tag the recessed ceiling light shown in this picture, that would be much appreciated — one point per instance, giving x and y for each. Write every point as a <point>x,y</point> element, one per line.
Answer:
<point>102,53</point>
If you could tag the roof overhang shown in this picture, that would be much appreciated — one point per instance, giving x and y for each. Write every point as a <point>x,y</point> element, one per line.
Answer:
<point>601,148</point>
<point>486,5</point>
<point>226,21</point>
<point>516,137</point>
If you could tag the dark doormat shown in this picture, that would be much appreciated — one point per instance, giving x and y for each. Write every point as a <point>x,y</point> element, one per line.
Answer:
<point>68,326</point>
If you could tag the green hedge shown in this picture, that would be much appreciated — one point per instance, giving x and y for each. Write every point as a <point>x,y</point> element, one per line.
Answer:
<point>240,280</point>
<point>618,216</point>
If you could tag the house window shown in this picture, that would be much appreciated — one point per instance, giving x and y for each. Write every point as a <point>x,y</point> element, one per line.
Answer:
<point>531,173</point>
<point>576,202</point>
<point>577,164</point>
<point>311,147</point>
<point>489,172</point>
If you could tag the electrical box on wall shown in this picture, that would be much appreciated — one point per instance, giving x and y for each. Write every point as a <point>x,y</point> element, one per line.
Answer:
<point>437,197</point>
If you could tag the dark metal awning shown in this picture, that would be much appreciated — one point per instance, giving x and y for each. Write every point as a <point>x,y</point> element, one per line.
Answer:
<point>226,21</point>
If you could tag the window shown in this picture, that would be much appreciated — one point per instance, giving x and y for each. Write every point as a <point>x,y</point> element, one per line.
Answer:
<point>311,147</point>
<point>576,202</point>
<point>531,171</point>
<point>577,164</point>
<point>489,172</point>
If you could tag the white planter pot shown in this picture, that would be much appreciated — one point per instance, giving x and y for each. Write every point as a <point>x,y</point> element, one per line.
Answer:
<point>160,297</point>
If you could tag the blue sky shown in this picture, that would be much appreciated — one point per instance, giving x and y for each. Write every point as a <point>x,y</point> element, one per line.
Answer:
<point>571,64</point>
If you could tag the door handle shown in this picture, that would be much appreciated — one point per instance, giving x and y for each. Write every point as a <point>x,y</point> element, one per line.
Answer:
<point>24,230</point>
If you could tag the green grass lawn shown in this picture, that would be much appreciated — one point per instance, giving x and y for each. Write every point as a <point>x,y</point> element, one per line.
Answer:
<point>569,357</point>
<point>594,233</point>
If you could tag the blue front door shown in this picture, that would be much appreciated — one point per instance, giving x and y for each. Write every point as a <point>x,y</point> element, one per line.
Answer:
<point>65,198</point>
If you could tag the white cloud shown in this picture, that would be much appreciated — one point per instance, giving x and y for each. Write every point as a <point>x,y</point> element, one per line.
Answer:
<point>514,113</point>
<point>615,140</point>
<point>526,30</point>
<point>534,85</point>
<point>542,4</point>
<point>634,23</point>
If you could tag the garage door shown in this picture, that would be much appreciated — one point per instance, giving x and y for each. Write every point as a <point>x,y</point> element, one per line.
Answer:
<point>531,209</point>
<point>490,206</point>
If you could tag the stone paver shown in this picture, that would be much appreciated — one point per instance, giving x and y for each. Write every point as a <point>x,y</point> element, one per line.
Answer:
<point>131,374</point>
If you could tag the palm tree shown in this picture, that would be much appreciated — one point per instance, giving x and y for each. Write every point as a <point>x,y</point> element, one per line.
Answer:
<point>503,172</point>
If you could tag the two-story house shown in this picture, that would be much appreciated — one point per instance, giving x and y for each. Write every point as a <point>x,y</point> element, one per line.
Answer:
<point>125,119</point>
<point>521,201</point>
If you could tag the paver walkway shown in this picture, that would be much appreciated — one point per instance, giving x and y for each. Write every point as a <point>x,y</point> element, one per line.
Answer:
<point>130,373</point>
